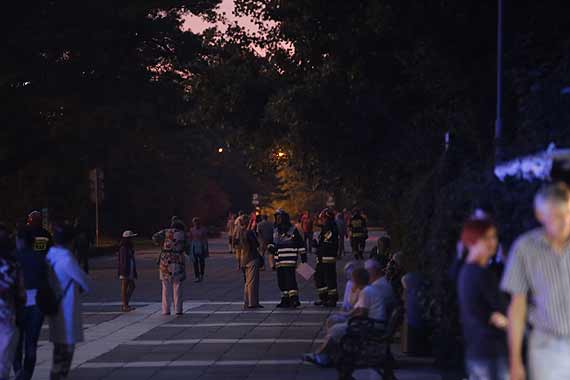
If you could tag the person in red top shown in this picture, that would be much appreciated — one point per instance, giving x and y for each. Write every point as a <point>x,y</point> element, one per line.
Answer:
<point>308,229</point>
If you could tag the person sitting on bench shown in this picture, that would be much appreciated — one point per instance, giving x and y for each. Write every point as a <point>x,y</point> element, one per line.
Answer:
<point>375,301</point>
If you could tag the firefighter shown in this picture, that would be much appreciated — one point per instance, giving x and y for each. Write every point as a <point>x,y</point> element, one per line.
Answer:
<point>358,234</point>
<point>42,240</point>
<point>327,250</point>
<point>286,247</point>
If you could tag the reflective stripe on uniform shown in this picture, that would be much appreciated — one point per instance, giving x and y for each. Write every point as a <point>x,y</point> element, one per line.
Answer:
<point>322,290</point>
<point>281,254</point>
<point>332,291</point>
<point>326,259</point>
<point>293,293</point>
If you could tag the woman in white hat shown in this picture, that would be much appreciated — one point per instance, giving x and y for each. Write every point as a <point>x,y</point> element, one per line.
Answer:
<point>127,269</point>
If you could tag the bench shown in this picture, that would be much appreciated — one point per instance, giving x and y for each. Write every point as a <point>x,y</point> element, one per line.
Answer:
<point>367,344</point>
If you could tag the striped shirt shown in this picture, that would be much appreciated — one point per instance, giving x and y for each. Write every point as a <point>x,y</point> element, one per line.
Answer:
<point>535,268</point>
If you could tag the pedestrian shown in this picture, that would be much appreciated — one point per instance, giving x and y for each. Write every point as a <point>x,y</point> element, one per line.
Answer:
<point>172,264</point>
<point>481,304</point>
<point>34,272</point>
<point>286,246</point>
<point>12,299</point>
<point>249,260</point>
<point>199,248</point>
<point>82,244</point>
<point>538,271</point>
<point>42,238</point>
<point>383,248</point>
<point>394,273</point>
<point>69,282</point>
<point>127,269</point>
<point>307,225</point>
<point>341,227</point>
<point>358,234</point>
<point>327,252</point>
<point>265,235</point>
<point>415,288</point>
<point>230,224</point>
<point>236,234</point>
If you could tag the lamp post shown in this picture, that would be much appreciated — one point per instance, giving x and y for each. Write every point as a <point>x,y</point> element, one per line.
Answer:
<point>499,119</point>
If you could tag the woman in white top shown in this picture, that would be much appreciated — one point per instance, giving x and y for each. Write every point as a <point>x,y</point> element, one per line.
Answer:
<point>68,282</point>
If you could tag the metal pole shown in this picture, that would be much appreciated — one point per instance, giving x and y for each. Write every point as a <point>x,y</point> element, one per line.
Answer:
<point>499,120</point>
<point>96,208</point>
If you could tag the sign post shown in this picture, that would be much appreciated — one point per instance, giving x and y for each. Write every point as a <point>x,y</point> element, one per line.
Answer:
<point>96,185</point>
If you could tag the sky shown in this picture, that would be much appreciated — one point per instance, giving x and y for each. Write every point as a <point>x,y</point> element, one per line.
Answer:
<point>197,25</point>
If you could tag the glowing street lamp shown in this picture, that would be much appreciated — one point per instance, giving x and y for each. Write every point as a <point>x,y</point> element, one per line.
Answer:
<point>280,154</point>
<point>220,150</point>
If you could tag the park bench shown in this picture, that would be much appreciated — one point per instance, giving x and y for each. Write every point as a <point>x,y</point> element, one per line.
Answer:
<point>367,344</point>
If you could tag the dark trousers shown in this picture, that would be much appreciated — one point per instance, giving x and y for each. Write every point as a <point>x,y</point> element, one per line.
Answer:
<point>199,266</point>
<point>62,358</point>
<point>25,358</point>
<point>358,246</point>
<point>83,259</point>
<point>326,281</point>
<point>287,281</point>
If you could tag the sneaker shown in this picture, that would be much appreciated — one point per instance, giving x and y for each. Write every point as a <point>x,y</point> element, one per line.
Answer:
<point>319,303</point>
<point>197,280</point>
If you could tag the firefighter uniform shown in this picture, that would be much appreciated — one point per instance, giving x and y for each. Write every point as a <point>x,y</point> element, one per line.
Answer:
<point>287,246</point>
<point>325,275</point>
<point>42,240</point>
<point>358,235</point>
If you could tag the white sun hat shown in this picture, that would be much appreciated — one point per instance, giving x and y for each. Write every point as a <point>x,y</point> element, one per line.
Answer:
<point>129,234</point>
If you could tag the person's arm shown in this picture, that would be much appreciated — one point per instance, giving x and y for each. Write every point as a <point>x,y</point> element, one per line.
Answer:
<point>517,322</point>
<point>77,275</point>
<point>300,245</point>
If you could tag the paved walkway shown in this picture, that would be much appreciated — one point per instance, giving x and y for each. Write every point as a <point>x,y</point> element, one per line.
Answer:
<point>214,339</point>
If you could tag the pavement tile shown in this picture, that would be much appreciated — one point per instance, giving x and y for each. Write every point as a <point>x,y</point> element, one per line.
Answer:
<point>132,374</point>
<point>90,373</point>
<point>178,374</point>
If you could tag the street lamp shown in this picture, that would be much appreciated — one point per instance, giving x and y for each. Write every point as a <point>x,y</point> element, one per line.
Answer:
<point>220,150</point>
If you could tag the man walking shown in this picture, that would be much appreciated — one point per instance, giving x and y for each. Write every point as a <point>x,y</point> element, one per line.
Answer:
<point>358,234</point>
<point>327,251</point>
<point>286,246</point>
<point>307,226</point>
<point>539,265</point>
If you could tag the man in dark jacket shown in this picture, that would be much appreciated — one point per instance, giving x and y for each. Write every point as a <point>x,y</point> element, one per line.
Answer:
<point>327,250</point>
<point>358,234</point>
<point>42,240</point>
<point>286,246</point>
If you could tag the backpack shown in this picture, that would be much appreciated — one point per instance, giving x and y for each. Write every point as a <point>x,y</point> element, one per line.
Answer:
<point>46,298</point>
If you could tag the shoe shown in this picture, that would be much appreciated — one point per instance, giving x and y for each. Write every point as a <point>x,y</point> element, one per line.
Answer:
<point>317,359</point>
<point>165,314</point>
<point>285,302</point>
<point>197,280</point>
<point>295,302</point>
<point>126,309</point>
<point>319,303</point>
<point>179,314</point>
<point>330,304</point>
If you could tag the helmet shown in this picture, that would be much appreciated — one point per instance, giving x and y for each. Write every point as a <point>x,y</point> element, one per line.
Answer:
<point>34,218</point>
<point>327,213</point>
<point>281,217</point>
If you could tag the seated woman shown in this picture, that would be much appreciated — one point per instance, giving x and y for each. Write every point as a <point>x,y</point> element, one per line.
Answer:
<point>375,301</point>
<point>358,280</point>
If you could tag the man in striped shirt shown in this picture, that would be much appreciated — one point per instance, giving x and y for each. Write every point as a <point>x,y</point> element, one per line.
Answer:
<point>539,266</point>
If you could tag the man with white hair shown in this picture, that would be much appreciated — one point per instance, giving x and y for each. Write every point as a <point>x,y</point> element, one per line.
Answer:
<point>539,266</point>
<point>374,301</point>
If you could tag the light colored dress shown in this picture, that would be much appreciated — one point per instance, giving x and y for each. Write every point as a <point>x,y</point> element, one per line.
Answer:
<point>66,327</point>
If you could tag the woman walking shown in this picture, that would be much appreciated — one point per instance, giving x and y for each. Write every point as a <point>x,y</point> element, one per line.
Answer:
<point>199,248</point>
<point>127,269</point>
<point>482,305</point>
<point>68,281</point>
<point>249,262</point>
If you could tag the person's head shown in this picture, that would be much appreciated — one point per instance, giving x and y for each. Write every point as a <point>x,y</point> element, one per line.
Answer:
<point>196,222</point>
<point>282,219</point>
<point>24,237</point>
<point>62,235</point>
<point>384,244</point>
<point>360,278</point>
<point>326,216</point>
<point>176,222</point>
<point>35,219</point>
<point>127,237</point>
<point>244,220</point>
<point>348,269</point>
<point>480,238</point>
<point>552,209</point>
<point>376,267</point>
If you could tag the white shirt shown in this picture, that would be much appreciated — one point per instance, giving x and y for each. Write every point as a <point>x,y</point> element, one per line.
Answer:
<point>377,298</point>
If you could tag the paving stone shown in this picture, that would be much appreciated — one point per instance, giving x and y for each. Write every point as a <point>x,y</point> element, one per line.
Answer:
<point>132,374</point>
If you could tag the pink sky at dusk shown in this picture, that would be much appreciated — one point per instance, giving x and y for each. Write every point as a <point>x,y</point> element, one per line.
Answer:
<point>197,24</point>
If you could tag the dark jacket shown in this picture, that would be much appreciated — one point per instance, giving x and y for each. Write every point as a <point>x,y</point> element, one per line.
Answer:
<point>327,245</point>
<point>33,267</point>
<point>126,259</point>
<point>42,240</point>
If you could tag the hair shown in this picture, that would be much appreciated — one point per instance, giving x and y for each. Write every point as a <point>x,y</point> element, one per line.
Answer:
<point>62,234</point>
<point>557,193</point>
<point>360,277</point>
<point>24,234</point>
<point>377,264</point>
<point>195,220</point>
<point>475,229</point>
